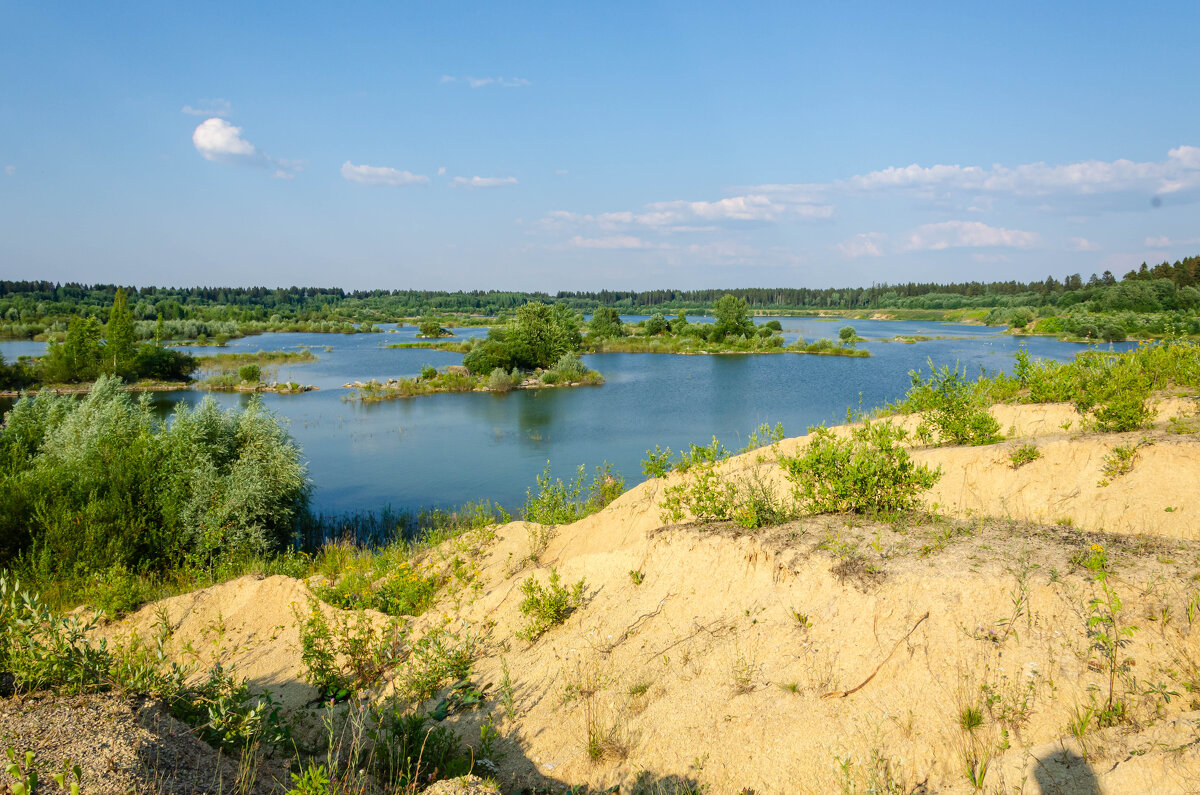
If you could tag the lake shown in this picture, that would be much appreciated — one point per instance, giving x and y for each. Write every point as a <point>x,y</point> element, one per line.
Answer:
<point>442,450</point>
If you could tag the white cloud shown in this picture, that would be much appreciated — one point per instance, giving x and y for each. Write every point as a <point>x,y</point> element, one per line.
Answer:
<point>865,244</point>
<point>1082,244</point>
<point>10,170</point>
<point>380,175</point>
<point>966,234</point>
<point>482,182</point>
<point>221,142</point>
<point>208,107</point>
<point>447,79</point>
<point>441,171</point>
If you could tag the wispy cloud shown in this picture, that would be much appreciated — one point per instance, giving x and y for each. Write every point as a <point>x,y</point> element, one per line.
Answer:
<point>10,171</point>
<point>208,107</point>
<point>966,234</point>
<point>1082,244</point>
<point>482,182</point>
<point>380,175</point>
<point>866,244</point>
<point>221,142</point>
<point>483,82</point>
<point>1162,241</point>
<point>1179,170</point>
<point>691,216</point>
<point>613,242</point>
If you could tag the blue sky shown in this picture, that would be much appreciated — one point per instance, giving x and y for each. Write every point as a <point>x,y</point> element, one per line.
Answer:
<point>560,146</point>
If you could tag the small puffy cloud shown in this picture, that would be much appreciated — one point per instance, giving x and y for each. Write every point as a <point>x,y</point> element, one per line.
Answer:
<point>966,234</point>
<point>482,182</point>
<point>865,244</point>
<point>220,141</point>
<point>441,171</point>
<point>10,170</point>
<point>1082,244</point>
<point>380,175</point>
<point>208,107</point>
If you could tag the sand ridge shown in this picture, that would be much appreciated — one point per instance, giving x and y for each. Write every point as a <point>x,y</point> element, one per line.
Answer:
<point>833,653</point>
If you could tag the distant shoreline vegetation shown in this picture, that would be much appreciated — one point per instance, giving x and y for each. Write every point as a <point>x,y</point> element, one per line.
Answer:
<point>1146,301</point>
<point>731,333</point>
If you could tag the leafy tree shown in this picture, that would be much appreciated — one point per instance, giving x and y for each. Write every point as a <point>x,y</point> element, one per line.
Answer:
<point>656,324</point>
<point>605,324</point>
<point>76,358</point>
<point>847,334</point>
<point>733,318</point>
<point>431,328</point>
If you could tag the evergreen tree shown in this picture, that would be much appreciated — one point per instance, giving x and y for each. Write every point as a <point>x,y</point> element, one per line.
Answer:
<point>120,347</point>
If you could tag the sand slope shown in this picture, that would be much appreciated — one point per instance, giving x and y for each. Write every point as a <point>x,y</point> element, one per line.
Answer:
<point>830,654</point>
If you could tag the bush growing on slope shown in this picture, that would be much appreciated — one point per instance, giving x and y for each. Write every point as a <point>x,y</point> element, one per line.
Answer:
<point>949,404</point>
<point>868,471</point>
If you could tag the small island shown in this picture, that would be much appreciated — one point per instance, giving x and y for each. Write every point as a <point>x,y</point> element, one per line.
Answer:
<point>538,348</point>
<point>243,371</point>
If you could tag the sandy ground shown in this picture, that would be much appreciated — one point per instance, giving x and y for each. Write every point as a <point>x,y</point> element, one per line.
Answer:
<point>828,654</point>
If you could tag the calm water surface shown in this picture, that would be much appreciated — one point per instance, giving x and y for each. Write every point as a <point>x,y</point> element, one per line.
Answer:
<point>441,450</point>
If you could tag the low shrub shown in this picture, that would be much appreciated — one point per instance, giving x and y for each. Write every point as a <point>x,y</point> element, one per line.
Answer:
<point>502,381</point>
<point>949,405</point>
<point>1025,454</point>
<point>250,372</point>
<point>549,606</point>
<point>867,471</point>
<point>557,502</point>
<point>348,652</point>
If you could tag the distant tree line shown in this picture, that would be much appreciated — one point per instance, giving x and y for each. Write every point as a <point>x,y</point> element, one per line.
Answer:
<point>30,308</point>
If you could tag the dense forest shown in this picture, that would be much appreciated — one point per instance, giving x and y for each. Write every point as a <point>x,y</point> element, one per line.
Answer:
<point>31,309</point>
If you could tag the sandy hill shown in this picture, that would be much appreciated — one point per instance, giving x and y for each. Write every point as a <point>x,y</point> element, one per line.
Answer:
<point>947,653</point>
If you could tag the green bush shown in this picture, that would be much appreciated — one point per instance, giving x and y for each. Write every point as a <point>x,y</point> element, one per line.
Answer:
<point>89,484</point>
<point>549,606</point>
<point>867,471</point>
<point>410,752</point>
<point>949,403</point>
<point>557,502</point>
<point>501,381</point>
<point>250,373</point>
<point>1115,391</point>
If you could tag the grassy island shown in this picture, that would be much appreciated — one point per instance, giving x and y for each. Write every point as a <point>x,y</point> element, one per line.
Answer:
<point>568,371</point>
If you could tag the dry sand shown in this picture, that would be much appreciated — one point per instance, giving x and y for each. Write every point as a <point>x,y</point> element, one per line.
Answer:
<point>829,654</point>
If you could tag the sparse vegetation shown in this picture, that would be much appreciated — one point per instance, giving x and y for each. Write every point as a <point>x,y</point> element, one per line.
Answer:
<point>547,606</point>
<point>1025,454</point>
